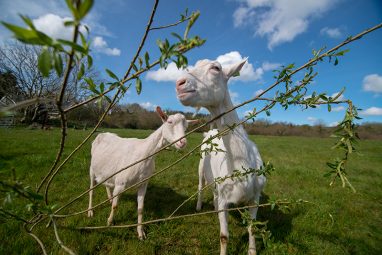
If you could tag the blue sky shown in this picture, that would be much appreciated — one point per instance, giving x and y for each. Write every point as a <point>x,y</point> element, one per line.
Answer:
<point>269,32</point>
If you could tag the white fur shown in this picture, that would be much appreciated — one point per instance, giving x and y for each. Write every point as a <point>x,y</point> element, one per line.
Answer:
<point>206,86</point>
<point>110,153</point>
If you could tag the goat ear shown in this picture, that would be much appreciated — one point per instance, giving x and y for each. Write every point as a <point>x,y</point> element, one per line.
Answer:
<point>234,70</point>
<point>161,114</point>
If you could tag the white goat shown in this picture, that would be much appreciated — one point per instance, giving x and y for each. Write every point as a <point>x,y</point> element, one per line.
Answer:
<point>110,153</point>
<point>206,86</point>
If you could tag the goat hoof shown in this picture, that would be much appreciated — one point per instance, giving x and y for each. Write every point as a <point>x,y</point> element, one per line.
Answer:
<point>142,236</point>
<point>198,208</point>
<point>90,213</point>
<point>110,222</point>
<point>252,251</point>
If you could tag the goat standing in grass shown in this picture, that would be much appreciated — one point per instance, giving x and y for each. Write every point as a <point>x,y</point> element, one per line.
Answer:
<point>110,153</point>
<point>206,86</point>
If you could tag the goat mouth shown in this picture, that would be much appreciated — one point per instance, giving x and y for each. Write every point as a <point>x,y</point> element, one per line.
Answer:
<point>185,94</point>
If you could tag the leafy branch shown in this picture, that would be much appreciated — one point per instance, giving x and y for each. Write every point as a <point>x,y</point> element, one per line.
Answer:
<point>51,60</point>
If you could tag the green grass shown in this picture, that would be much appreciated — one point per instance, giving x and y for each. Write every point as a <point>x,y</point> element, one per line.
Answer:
<point>354,228</point>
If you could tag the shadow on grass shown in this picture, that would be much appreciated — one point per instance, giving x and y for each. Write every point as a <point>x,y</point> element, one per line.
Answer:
<point>159,201</point>
<point>279,224</point>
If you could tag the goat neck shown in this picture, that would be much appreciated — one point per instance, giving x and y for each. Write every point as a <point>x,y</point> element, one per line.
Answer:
<point>154,141</point>
<point>227,119</point>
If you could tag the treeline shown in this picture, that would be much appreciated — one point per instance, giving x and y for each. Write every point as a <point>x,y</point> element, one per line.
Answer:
<point>122,116</point>
<point>133,116</point>
<point>136,117</point>
<point>263,127</point>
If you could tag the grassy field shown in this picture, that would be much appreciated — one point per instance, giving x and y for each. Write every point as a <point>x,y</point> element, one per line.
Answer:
<point>339,222</point>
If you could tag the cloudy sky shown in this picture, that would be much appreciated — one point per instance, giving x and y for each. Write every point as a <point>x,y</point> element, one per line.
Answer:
<point>270,33</point>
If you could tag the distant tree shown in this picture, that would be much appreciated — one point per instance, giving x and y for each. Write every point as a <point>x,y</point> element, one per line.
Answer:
<point>21,79</point>
<point>8,85</point>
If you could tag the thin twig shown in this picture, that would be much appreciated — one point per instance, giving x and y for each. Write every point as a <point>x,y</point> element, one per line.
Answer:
<point>62,113</point>
<point>115,96</point>
<point>255,98</point>
<point>171,25</point>
<point>68,250</point>
<point>221,133</point>
<point>135,75</point>
<point>39,242</point>
<point>191,197</point>
<point>186,216</point>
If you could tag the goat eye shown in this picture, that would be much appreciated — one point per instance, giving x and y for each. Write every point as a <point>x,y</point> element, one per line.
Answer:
<point>169,122</point>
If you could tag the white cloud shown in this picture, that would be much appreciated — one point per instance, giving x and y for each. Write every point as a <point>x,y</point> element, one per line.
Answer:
<point>333,124</point>
<point>147,105</point>
<point>279,20</point>
<point>313,120</point>
<point>372,111</point>
<point>247,73</point>
<point>258,92</point>
<point>48,16</point>
<point>331,32</point>
<point>267,66</point>
<point>100,45</point>
<point>373,83</point>
<point>338,108</point>
<point>99,42</point>
<point>11,9</point>
<point>172,73</point>
<point>53,25</point>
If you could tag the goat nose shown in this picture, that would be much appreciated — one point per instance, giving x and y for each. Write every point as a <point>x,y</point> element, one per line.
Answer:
<point>180,82</point>
<point>182,142</point>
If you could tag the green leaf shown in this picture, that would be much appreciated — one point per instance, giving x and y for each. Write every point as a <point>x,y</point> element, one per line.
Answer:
<point>323,97</point>
<point>58,65</point>
<point>83,40</point>
<point>73,9</point>
<point>107,99</point>
<point>45,38</point>
<point>28,21</point>
<point>69,23</point>
<point>336,62</point>
<point>75,46</point>
<point>81,72</point>
<point>160,44</point>
<point>90,61</point>
<point>134,67</point>
<point>194,17</point>
<point>329,108</point>
<point>147,59</point>
<point>341,53</point>
<point>111,74</point>
<point>92,86</point>
<point>85,8</point>
<point>140,62</point>
<point>177,36</point>
<point>24,35</point>
<point>45,62</point>
<point>138,86</point>
<point>268,113</point>
<point>102,87</point>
